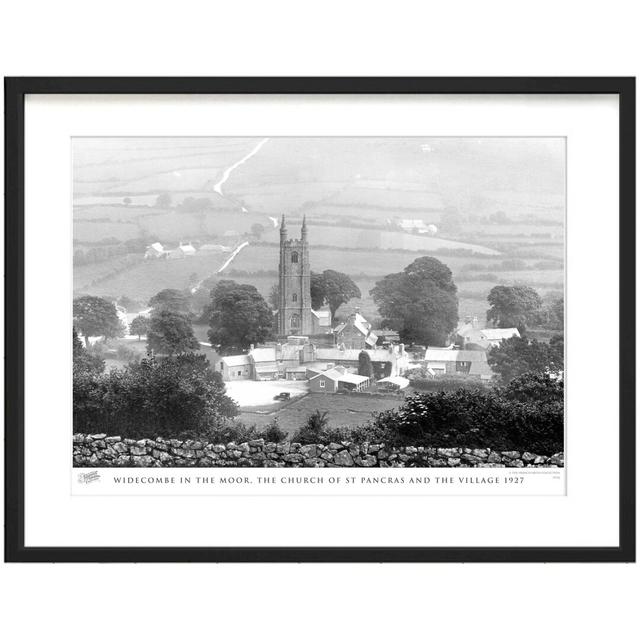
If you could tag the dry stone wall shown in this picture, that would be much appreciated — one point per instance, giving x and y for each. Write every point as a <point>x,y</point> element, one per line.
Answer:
<point>100,450</point>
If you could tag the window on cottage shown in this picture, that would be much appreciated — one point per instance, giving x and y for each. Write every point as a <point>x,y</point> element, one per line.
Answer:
<point>294,256</point>
<point>322,384</point>
<point>294,297</point>
<point>463,366</point>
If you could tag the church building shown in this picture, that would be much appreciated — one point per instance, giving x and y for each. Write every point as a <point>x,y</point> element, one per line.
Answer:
<point>295,315</point>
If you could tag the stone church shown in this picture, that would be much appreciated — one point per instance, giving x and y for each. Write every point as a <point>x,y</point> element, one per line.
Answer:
<point>295,315</point>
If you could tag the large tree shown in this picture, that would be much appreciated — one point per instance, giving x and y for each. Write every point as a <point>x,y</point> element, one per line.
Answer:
<point>171,300</point>
<point>517,306</point>
<point>517,356</point>
<point>420,302</point>
<point>170,332</point>
<point>333,288</point>
<point>139,326</point>
<point>95,316</point>
<point>240,317</point>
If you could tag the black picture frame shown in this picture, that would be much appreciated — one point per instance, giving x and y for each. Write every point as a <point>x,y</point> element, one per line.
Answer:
<point>15,91</point>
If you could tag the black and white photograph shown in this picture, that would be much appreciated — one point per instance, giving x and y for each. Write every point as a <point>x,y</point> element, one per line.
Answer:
<point>320,302</point>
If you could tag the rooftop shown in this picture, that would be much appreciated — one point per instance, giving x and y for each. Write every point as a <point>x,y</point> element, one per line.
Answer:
<point>236,361</point>
<point>499,334</point>
<point>454,355</point>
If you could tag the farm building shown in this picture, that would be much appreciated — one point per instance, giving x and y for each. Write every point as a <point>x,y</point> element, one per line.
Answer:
<point>325,382</point>
<point>356,333</point>
<point>187,249</point>
<point>468,333</point>
<point>155,250</point>
<point>493,337</point>
<point>387,337</point>
<point>457,362</point>
<point>393,383</point>
<point>391,361</point>
<point>335,379</point>
<point>264,363</point>
<point>236,367</point>
<point>412,225</point>
<point>295,373</point>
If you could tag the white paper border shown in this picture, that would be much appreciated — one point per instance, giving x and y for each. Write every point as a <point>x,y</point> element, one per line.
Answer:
<point>587,516</point>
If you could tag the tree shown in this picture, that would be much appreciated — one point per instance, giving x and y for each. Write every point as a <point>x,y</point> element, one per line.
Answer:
<point>420,302</point>
<point>83,361</point>
<point>333,288</point>
<point>535,387</point>
<point>95,316</point>
<point>170,332</point>
<point>168,397</point>
<point>517,356</point>
<point>139,326</point>
<point>450,221</point>
<point>499,217</point>
<point>171,300</point>
<point>365,367</point>
<point>274,296</point>
<point>163,201</point>
<point>553,311</point>
<point>317,290</point>
<point>257,229</point>
<point>239,317</point>
<point>516,306</point>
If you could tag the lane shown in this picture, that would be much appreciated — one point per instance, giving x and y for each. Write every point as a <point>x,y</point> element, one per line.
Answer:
<point>229,170</point>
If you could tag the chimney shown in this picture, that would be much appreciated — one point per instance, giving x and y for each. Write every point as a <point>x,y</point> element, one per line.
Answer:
<point>250,348</point>
<point>401,349</point>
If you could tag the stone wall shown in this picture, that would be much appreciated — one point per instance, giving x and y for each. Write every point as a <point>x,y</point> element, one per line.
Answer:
<point>99,450</point>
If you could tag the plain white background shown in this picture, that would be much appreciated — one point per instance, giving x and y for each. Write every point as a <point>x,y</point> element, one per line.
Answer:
<point>327,38</point>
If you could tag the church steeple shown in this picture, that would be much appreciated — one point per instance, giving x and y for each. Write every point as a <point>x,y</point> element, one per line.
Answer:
<point>294,300</point>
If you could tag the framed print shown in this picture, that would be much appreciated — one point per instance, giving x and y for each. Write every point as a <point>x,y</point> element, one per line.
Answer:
<point>320,319</point>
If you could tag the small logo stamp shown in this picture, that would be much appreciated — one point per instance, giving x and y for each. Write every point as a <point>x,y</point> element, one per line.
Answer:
<point>88,477</point>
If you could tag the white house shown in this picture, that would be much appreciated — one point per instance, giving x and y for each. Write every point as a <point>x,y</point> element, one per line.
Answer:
<point>155,250</point>
<point>493,337</point>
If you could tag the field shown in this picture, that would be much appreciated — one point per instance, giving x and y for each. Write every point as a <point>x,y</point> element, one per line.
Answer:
<point>145,278</point>
<point>343,410</point>
<point>349,188</point>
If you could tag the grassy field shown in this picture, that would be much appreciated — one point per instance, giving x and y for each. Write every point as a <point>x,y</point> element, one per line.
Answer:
<point>146,278</point>
<point>338,182</point>
<point>343,410</point>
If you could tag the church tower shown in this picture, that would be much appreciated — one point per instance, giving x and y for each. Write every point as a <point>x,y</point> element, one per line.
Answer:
<point>294,307</point>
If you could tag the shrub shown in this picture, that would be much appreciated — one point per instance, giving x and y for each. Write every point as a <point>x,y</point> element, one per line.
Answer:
<point>313,431</point>
<point>168,397</point>
<point>425,382</point>
<point>126,353</point>
<point>527,415</point>
<point>273,432</point>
